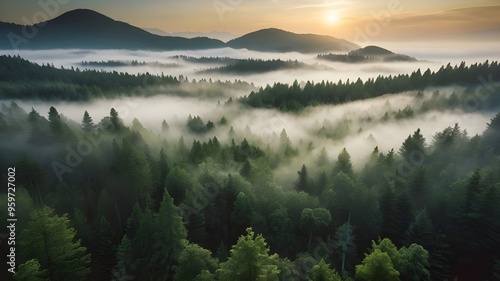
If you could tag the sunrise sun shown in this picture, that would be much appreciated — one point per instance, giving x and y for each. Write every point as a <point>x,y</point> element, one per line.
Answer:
<point>332,17</point>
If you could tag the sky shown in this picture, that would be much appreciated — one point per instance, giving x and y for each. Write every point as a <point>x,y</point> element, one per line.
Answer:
<point>355,20</point>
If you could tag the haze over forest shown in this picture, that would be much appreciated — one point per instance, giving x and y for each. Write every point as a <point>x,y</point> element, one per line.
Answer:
<point>140,147</point>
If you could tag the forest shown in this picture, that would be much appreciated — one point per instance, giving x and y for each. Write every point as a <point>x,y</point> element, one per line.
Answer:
<point>294,97</point>
<point>202,199</point>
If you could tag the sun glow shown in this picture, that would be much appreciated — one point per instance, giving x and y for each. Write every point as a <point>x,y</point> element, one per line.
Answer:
<point>332,17</point>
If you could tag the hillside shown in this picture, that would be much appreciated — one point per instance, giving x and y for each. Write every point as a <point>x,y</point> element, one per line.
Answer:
<point>367,55</point>
<point>276,40</point>
<point>88,29</point>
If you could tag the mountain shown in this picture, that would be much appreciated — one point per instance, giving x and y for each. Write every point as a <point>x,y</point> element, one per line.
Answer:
<point>372,51</point>
<point>223,36</point>
<point>366,55</point>
<point>277,40</point>
<point>87,29</point>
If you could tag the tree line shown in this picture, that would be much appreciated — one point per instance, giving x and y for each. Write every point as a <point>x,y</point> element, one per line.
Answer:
<point>296,97</point>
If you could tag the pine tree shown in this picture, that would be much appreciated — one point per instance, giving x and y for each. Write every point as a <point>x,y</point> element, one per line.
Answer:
<point>169,240</point>
<point>343,164</point>
<point>50,239</point>
<point>323,272</point>
<point>193,260</point>
<point>105,254</point>
<point>249,260</point>
<point>55,122</point>
<point>87,123</point>
<point>303,182</point>
<point>30,271</point>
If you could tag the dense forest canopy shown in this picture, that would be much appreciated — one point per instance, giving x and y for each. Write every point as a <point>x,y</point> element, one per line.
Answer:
<point>108,199</point>
<point>294,97</point>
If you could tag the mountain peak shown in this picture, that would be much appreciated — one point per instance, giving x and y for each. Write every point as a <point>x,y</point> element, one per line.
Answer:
<point>278,40</point>
<point>81,15</point>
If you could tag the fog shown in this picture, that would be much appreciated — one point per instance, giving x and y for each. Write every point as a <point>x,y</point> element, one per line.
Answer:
<point>365,128</point>
<point>361,123</point>
<point>431,55</point>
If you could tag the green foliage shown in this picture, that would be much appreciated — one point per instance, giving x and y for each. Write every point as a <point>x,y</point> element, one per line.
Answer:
<point>30,271</point>
<point>194,261</point>
<point>323,272</point>
<point>377,266</point>
<point>288,98</point>
<point>314,220</point>
<point>415,263</point>
<point>45,238</point>
<point>249,261</point>
<point>87,123</point>
<point>49,83</point>
<point>343,164</point>
<point>158,238</point>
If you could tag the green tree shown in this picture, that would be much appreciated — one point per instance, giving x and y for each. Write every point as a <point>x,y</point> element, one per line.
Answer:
<point>249,261</point>
<point>193,260</point>
<point>377,266</point>
<point>87,123</point>
<point>50,239</point>
<point>116,121</point>
<point>55,121</point>
<point>323,272</point>
<point>491,137</point>
<point>415,263</point>
<point>420,231</point>
<point>314,220</point>
<point>412,145</point>
<point>303,182</point>
<point>169,239</point>
<point>104,257</point>
<point>343,164</point>
<point>30,271</point>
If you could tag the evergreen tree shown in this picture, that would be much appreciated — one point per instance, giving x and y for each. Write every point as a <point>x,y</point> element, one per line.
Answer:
<point>115,120</point>
<point>169,240</point>
<point>420,231</point>
<point>413,146</point>
<point>87,123</point>
<point>104,258</point>
<point>50,239</point>
<point>343,164</point>
<point>193,260</point>
<point>30,271</point>
<point>415,263</point>
<point>56,125</point>
<point>249,261</point>
<point>303,182</point>
<point>314,221</point>
<point>323,272</point>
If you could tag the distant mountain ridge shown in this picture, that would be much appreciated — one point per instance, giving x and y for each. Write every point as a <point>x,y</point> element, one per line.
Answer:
<point>277,40</point>
<point>87,29</point>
